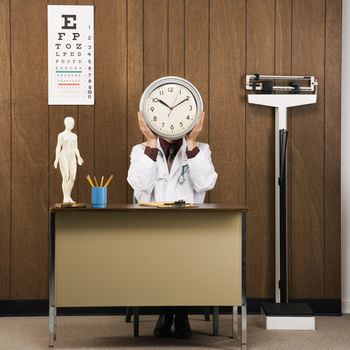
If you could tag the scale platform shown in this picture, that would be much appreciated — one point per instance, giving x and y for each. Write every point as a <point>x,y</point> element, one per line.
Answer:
<point>291,316</point>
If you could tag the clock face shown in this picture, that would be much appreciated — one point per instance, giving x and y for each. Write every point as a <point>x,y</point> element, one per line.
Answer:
<point>171,107</point>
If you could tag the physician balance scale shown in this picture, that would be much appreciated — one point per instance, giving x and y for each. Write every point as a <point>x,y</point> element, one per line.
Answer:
<point>283,92</point>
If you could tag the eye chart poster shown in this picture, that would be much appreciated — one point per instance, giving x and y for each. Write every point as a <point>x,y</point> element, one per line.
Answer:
<point>70,55</point>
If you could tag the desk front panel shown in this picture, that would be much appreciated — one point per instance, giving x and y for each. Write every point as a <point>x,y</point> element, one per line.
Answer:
<point>152,258</point>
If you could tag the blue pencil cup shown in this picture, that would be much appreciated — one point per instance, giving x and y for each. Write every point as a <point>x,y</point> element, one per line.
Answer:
<point>99,197</point>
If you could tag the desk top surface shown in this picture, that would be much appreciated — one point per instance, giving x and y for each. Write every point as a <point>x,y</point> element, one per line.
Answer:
<point>221,207</point>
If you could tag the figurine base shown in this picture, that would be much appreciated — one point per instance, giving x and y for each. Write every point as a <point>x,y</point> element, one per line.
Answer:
<point>70,205</point>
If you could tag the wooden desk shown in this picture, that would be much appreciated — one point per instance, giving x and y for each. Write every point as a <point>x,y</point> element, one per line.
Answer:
<point>127,255</point>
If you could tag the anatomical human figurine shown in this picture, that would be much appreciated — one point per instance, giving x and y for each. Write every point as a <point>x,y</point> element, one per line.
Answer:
<point>67,154</point>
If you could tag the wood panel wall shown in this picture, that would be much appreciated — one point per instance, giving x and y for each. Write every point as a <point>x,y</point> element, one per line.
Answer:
<point>213,43</point>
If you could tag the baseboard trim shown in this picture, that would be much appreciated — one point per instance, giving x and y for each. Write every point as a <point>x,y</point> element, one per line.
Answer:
<point>346,306</point>
<point>322,307</point>
<point>35,307</point>
<point>39,307</point>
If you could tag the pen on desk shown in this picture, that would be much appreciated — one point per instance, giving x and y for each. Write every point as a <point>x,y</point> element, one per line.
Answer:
<point>90,182</point>
<point>101,184</point>
<point>96,183</point>
<point>108,181</point>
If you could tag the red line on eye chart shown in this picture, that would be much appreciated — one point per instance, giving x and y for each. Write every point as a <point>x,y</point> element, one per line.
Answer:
<point>69,84</point>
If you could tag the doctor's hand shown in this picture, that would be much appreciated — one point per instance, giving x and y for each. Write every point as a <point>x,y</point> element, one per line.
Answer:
<point>146,131</point>
<point>192,136</point>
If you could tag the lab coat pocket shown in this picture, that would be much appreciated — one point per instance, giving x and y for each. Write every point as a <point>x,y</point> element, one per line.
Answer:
<point>185,192</point>
<point>185,186</point>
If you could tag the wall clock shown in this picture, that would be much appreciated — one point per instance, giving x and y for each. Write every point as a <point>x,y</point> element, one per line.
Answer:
<point>171,107</point>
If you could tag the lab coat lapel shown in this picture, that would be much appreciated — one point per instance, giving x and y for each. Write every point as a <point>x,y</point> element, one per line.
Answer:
<point>161,161</point>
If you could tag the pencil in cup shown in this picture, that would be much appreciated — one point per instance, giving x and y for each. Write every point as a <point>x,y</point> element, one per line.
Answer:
<point>90,181</point>
<point>99,193</point>
<point>108,181</point>
<point>95,182</point>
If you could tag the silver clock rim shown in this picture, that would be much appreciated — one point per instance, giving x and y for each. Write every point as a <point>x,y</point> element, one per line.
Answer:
<point>168,80</point>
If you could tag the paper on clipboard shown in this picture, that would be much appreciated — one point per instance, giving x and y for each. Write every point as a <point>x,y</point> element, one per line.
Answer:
<point>167,205</point>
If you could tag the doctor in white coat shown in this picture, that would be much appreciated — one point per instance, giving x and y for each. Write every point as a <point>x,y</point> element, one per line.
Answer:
<point>186,172</point>
<point>168,170</point>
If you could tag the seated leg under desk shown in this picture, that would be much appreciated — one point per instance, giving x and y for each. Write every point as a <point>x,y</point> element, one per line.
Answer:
<point>131,310</point>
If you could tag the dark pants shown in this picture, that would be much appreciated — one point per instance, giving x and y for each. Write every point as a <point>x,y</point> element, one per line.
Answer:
<point>177,310</point>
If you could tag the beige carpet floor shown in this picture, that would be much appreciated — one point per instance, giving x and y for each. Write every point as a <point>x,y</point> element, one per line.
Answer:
<point>111,332</point>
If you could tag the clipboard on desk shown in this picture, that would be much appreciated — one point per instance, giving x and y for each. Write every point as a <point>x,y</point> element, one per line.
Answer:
<point>164,205</point>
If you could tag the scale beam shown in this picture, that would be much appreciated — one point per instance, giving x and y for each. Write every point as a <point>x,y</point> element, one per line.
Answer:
<point>274,83</point>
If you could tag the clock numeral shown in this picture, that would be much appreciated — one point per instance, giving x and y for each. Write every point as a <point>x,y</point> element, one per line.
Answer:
<point>155,118</point>
<point>170,89</point>
<point>154,99</point>
<point>171,127</point>
<point>188,117</point>
<point>161,92</point>
<point>152,109</point>
<point>190,107</point>
<point>163,125</point>
<point>181,124</point>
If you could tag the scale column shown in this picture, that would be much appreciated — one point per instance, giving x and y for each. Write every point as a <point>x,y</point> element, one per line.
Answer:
<point>280,129</point>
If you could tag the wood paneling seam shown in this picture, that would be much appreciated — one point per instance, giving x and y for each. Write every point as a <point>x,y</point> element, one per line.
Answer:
<point>11,164</point>
<point>208,102</point>
<point>324,143</point>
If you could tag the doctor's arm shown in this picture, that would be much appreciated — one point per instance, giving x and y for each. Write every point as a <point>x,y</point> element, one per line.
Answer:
<point>201,168</point>
<point>143,169</point>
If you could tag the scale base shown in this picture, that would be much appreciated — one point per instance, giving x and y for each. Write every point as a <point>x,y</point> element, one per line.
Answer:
<point>293,316</point>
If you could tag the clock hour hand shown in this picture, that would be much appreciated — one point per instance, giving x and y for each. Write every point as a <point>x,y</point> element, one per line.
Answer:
<point>186,99</point>
<point>163,103</point>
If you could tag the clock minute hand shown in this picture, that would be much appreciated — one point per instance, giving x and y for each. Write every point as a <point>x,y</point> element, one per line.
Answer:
<point>163,103</point>
<point>186,99</point>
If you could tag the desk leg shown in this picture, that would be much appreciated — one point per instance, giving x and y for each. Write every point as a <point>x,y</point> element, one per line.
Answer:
<point>52,307</point>
<point>128,314</point>
<point>52,336</point>
<point>244,327</point>
<point>215,321</point>
<point>136,321</point>
<point>206,313</point>
<point>244,284</point>
<point>55,324</point>
<point>235,322</point>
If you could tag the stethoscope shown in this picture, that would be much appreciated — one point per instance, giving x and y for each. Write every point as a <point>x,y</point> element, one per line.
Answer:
<point>182,178</point>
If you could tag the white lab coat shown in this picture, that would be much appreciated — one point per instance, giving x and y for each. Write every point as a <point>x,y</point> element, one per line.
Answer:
<point>189,179</point>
